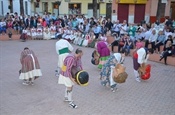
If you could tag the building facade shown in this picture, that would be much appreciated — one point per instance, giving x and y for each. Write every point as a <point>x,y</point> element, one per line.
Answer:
<point>136,10</point>
<point>12,6</point>
<point>71,7</point>
<point>131,10</point>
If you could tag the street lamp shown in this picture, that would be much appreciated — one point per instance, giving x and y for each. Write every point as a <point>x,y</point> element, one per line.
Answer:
<point>58,2</point>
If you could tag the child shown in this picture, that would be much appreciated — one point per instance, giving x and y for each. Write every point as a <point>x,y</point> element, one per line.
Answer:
<point>39,33</point>
<point>46,33</point>
<point>33,33</point>
<point>28,33</point>
<point>23,36</point>
<point>52,31</point>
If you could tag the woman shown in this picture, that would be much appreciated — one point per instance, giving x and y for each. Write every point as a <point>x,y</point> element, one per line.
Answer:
<point>160,40</point>
<point>104,52</point>
<point>9,28</point>
<point>30,67</point>
<point>167,51</point>
<point>114,59</point>
<point>127,45</point>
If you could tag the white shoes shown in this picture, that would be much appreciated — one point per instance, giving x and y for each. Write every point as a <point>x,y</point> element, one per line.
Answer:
<point>138,79</point>
<point>25,83</point>
<point>72,105</point>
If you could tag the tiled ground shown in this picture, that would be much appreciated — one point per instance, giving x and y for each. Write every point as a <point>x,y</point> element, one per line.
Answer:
<point>155,96</point>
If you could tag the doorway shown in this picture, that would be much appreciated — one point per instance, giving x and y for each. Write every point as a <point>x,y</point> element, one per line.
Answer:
<point>108,10</point>
<point>123,10</point>
<point>172,14</point>
<point>45,6</point>
<point>139,13</point>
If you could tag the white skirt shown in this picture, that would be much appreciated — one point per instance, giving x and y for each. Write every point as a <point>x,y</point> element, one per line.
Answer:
<point>30,74</point>
<point>65,81</point>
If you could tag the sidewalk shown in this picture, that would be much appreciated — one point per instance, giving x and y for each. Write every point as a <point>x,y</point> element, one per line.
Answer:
<point>155,96</point>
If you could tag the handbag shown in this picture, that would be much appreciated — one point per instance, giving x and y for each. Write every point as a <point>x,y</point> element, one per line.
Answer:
<point>121,43</point>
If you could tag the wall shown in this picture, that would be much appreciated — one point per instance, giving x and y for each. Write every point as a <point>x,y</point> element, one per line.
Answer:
<point>16,6</point>
<point>114,7</point>
<point>5,7</point>
<point>131,13</point>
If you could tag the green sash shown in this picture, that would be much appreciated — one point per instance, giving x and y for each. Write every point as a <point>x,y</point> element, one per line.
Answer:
<point>64,50</point>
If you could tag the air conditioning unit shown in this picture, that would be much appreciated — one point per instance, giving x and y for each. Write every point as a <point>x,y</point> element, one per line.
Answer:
<point>101,1</point>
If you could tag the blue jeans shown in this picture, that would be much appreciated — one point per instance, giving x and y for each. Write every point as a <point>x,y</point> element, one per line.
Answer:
<point>127,47</point>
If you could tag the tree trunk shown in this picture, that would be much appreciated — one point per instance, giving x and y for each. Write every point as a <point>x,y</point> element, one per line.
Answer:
<point>21,7</point>
<point>94,8</point>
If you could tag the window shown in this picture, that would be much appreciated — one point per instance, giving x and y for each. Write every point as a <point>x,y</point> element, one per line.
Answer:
<point>26,8</point>
<point>90,6</point>
<point>55,6</point>
<point>2,9</point>
<point>75,8</point>
<point>36,4</point>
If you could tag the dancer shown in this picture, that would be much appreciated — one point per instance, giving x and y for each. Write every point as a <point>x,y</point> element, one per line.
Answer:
<point>105,73</point>
<point>63,48</point>
<point>30,67</point>
<point>140,57</point>
<point>66,78</point>
<point>104,53</point>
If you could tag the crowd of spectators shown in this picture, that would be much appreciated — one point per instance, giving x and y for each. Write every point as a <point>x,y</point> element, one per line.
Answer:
<point>84,31</point>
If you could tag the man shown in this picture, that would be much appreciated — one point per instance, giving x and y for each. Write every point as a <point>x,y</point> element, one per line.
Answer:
<point>140,56</point>
<point>63,48</point>
<point>66,78</point>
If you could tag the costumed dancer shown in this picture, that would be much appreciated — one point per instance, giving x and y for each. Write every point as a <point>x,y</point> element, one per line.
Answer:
<point>106,71</point>
<point>23,36</point>
<point>65,77</point>
<point>63,48</point>
<point>86,40</point>
<point>33,33</point>
<point>92,41</point>
<point>52,31</point>
<point>76,34</point>
<point>140,57</point>
<point>30,67</point>
<point>46,33</point>
<point>39,32</point>
<point>104,53</point>
<point>28,33</point>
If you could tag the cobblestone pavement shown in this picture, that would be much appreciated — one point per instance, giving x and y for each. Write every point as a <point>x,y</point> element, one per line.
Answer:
<point>155,96</point>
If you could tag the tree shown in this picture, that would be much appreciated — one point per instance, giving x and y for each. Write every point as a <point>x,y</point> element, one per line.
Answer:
<point>21,7</point>
<point>94,8</point>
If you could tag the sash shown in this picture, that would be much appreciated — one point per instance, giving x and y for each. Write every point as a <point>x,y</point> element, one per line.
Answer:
<point>64,50</point>
<point>63,68</point>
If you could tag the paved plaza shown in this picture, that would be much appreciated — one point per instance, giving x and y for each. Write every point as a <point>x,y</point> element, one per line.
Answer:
<point>155,96</point>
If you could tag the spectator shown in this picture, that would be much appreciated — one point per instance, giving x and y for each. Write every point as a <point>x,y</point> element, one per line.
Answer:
<point>160,40</point>
<point>2,26</point>
<point>167,49</point>
<point>128,44</point>
<point>152,40</point>
<point>16,26</point>
<point>109,24</point>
